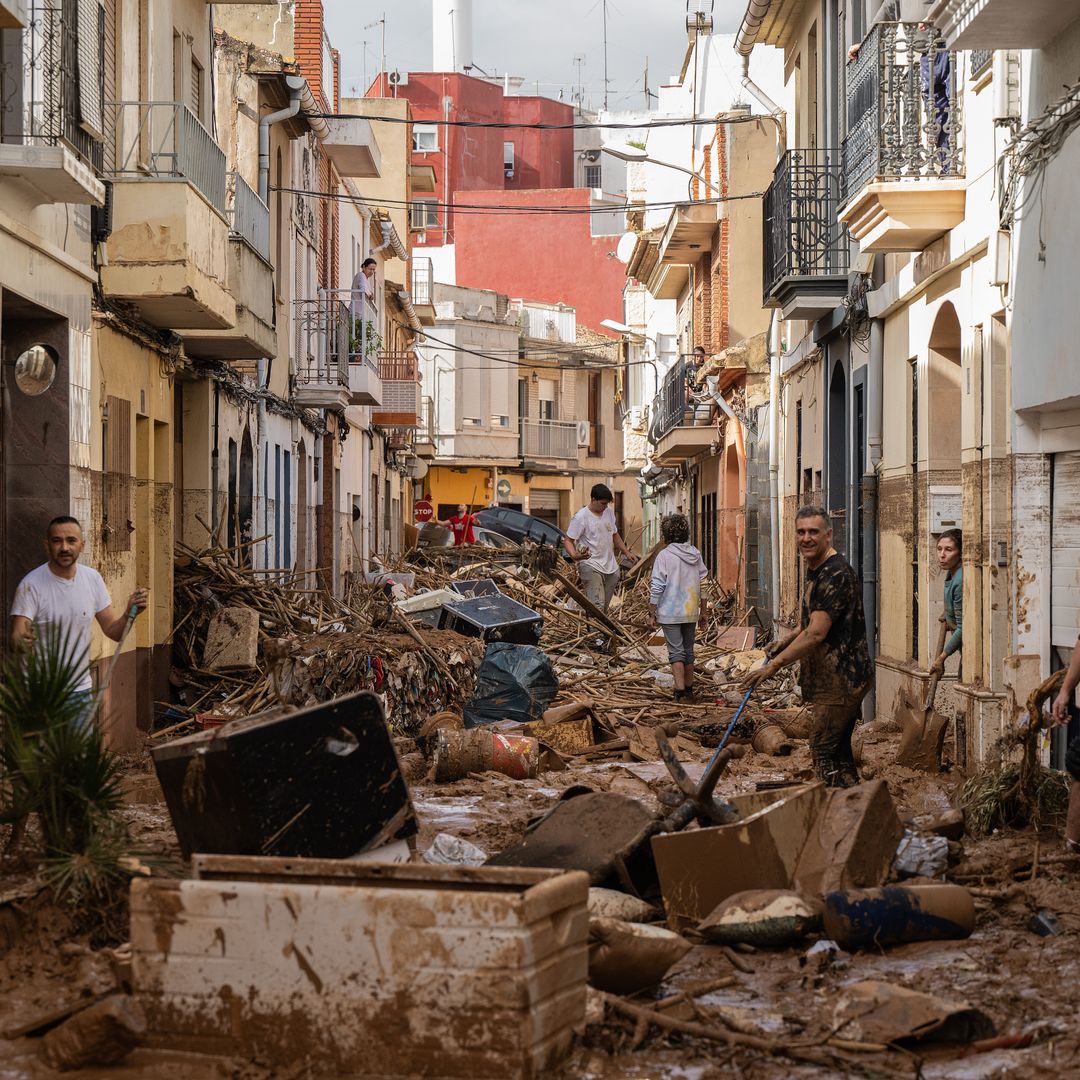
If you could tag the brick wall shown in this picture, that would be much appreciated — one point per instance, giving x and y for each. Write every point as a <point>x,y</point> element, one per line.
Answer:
<point>309,39</point>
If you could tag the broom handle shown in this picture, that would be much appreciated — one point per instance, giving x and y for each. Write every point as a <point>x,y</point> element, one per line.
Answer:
<point>131,616</point>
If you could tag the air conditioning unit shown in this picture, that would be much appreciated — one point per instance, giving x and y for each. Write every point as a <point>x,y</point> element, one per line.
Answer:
<point>509,174</point>
<point>590,155</point>
<point>584,431</point>
<point>398,78</point>
<point>637,418</point>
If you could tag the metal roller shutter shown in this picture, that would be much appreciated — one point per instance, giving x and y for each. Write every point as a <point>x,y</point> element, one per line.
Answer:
<point>1065,551</point>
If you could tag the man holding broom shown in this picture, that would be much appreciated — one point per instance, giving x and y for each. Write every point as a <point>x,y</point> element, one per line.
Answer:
<point>63,595</point>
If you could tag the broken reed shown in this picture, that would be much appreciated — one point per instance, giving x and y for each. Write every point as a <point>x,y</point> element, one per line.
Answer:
<point>1021,792</point>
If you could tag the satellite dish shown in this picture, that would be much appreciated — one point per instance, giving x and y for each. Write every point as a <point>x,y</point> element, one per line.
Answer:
<point>418,468</point>
<point>625,249</point>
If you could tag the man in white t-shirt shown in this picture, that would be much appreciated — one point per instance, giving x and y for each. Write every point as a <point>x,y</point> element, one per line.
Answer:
<point>62,594</point>
<point>591,541</point>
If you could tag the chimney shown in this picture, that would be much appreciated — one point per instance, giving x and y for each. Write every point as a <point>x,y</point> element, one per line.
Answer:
<point>308,42</point>
<point>451,26</point>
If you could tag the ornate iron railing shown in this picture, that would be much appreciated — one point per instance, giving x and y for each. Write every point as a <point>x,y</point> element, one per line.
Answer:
<point>166,139</point>
<point>670,404</point>
<point>548,439</point>
<point>803,237</point>
<point>44,100</point>
<point>980,60</point>
<point>903,108</point>
<point>251,218</point>
<point>334,331</point>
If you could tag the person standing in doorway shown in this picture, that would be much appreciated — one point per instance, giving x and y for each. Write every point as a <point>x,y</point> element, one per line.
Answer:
<point>461,525</point>
<point>65,596</point>
<point>830,645</point>
<point>1061,713</point>
<point>591,541</point>
<point>675,600</point>
<point>950,551</point>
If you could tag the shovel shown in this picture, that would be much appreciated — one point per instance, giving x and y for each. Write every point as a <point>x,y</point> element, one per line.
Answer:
<point>922,729</point>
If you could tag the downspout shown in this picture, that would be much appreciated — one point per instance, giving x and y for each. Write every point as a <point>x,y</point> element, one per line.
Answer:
<point>296,85</point>
<point>875,375</point>
<point>770,106</point>
<point>774,464</point>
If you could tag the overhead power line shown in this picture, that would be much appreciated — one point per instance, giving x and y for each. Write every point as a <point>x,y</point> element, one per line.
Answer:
<point>645,125</point>
<point>512,208</point>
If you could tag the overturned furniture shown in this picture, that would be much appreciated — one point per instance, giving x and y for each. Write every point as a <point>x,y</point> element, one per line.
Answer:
<point>361,969</point>
<point>321,782</point>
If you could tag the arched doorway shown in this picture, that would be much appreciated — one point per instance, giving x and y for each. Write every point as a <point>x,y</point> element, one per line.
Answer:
<point>836,493</point>
<point>246,495</point>
<point>942,505</point>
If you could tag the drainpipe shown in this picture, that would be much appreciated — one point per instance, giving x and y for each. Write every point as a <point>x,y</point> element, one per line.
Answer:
<point>296,85</point>
<point>214,476</point>
<point>770,106</point>
<point>774,464</point>
<point>875,374</point>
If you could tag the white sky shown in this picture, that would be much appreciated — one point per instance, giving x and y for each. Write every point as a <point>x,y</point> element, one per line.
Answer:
<point>537,39</point>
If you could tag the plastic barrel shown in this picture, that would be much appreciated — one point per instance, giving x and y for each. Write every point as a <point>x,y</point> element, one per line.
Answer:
<point>872,918</point>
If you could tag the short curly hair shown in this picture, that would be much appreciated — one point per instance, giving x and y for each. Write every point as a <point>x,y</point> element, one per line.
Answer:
<point>675,529</point>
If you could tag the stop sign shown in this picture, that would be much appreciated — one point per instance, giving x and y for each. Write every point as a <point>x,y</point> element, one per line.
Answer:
<point>423,510</point>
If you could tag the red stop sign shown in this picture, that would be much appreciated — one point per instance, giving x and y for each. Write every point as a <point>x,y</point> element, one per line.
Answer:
<point>423,510</point>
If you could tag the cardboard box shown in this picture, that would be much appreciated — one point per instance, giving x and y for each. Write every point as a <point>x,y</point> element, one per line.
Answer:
<point>805,836</point>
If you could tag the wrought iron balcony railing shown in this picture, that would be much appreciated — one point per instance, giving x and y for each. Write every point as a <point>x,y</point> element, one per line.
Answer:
<point>981,59</point>
<point>164,139</point>
<point>332,332</point>
<point>251,218</point>
<point>548,439</point>
<point>803,237</point>
<point>46,99</point>
<point>670,405</point>
<point>903,108</point>
<point>423,280</point>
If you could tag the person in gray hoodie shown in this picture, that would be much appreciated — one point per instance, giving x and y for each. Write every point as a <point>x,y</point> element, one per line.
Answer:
<point>675,600</point>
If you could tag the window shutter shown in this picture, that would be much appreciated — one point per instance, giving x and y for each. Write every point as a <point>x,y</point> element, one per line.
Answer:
<point>91,65</point>
<point>195,102</point>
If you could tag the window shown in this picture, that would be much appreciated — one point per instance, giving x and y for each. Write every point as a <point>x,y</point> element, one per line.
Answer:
<point>425,138</point>
<point>424,214</point>
<point>195,102</point>
<point>592,176</point>
<point>595,391</point>
<point>508,158</point>
<point>546,395</point>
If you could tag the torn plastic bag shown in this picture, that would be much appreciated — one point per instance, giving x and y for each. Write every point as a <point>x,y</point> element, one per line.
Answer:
<point>515,682</point>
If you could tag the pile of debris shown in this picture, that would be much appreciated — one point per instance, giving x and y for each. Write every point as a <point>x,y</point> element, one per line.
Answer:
<point>247,642</point>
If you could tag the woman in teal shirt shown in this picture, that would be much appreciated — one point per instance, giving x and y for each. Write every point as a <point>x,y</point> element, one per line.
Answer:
<point>950,550</point>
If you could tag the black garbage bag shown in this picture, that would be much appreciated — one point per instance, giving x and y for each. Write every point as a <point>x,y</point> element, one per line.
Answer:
<point>515,682</point>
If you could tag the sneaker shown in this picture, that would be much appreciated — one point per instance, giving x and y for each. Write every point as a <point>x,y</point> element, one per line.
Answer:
<point>688,694</point>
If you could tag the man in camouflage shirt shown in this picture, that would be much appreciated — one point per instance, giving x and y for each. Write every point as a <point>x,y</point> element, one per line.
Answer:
<point>834,660</point>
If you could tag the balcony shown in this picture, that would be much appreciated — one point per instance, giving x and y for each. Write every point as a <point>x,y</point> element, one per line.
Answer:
<point>352,148</point>
<point>1002,24</point>
<point>251,283</point>
<point>50,124</point>
<point>548,439</point>
<point>548,322</point>
<point>423,291</point>
<point>903,166</point>
<point>425,430</point>
<point>806,248</point>
<point>686,237</point>
<point>400,404</point>
<point>336,341</point>
<point>167,253</point>
<point>674,432</point>
<point>13,14</point>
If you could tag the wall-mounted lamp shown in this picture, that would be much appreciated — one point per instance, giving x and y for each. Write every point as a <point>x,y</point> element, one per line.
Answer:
<point>535,377</point>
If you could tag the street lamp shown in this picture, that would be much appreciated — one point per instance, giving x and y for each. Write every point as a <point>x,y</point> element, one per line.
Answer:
<point>636,153</point>
<point>628,331</point>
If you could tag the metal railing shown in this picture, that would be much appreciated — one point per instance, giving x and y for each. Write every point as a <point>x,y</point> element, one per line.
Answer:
<point>803,237</point>
<point>903,108</point>
<point>423,281</point>
<point>673,406</point>
<point>334,331</point>
<point>425,432</point>
<point>397,367</point>
<point>165,139</point>
<point>399,404</point>
<point>44,100</point>
<point>250,218</point>
<point>548,439</point>
<point>980,60</point>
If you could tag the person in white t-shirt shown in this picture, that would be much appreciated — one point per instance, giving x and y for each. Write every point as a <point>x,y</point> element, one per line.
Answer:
<point>62,594</point>
<point>591,541</point>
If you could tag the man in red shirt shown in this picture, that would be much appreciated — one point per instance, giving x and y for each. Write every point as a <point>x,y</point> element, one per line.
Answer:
<point>461,525</point>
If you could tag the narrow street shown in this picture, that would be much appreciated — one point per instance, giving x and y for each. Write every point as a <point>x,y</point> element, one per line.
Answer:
<point>539,539</point>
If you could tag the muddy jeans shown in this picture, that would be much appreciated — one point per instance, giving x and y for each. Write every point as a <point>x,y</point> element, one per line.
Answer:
<point>598,586</point>
<point>831,726</point>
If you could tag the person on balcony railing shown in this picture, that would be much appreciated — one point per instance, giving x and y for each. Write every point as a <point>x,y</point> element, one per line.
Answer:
<point>363,285</point>
<point>698,401</point>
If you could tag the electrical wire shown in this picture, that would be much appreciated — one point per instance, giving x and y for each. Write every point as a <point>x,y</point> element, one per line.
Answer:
<point>504,125</point>
<point>509,208</point>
